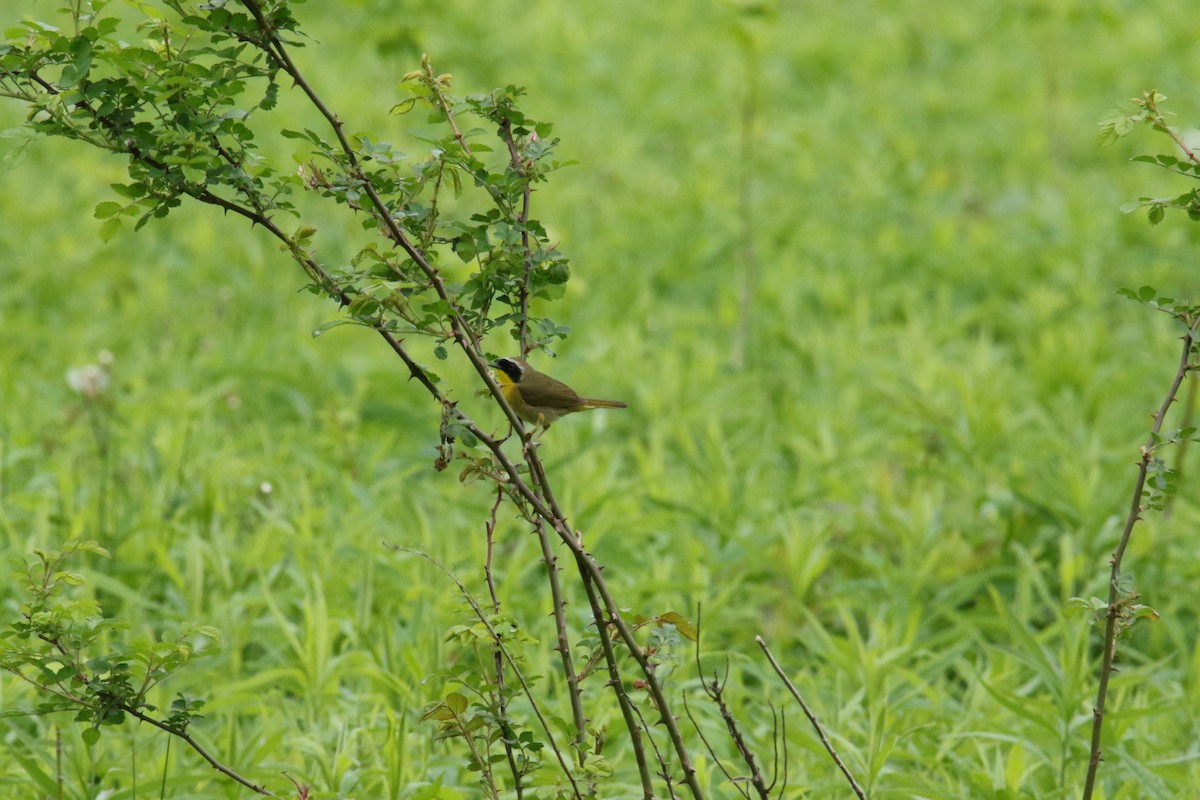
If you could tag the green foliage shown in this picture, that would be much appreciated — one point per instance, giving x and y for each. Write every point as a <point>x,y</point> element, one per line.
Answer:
<point>483,724</point>
<point>1147,110</point>
<point>75,654</point>
<point>185,104</point>
<point>914,471</point>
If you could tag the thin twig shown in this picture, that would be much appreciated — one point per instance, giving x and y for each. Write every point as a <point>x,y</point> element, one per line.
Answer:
<point>716,692</point>
<point>183,735</point>
<point>498,642</point>
<point>781,739</point>
<point>514,157</point>
<point>203,753</point>
<point>614,678</point>
<point>497,655</point>
<point>665,771</point>
<point>711,752</point>
<point>1113,613</point>
<point>858,790</point>
<point>1189,417</point>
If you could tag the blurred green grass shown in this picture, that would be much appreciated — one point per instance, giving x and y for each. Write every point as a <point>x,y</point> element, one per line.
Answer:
<point>921,460</point>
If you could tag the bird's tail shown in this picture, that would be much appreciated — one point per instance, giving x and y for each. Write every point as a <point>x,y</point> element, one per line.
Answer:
<point>604,404</point>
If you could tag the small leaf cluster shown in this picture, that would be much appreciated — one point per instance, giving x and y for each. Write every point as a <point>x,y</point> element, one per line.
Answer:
<point>1128,611</point>
<point>451,251</point>
<point>1185,313</point>
<point>1146,110</point>
<point>479,712</point>
<point>508,256</point>
<point>1161,478</point>
<point>177,102</point>
<point>59,644</point>
<point>458,252</point>
<point>667,634</point>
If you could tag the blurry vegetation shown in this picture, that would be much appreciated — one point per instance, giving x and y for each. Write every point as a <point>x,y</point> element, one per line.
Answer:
<point>923,455</point>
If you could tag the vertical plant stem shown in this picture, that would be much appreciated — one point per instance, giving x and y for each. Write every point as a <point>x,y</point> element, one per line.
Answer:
<point>746,175</point>
<point>516,671</point>
<point>162,790</point>
<point>563,645</point>
<point>1189,417</point>
<point>100,434</point>
<point>1113,612</point>
<point>614,677</point>
<point>58,765</point>
<point>812,718</point>
<point>497,654</point>
<point>5,448</point>
<point>515,158</point>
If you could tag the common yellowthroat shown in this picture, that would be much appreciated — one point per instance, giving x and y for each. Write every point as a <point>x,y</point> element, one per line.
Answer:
<point>540,399</point>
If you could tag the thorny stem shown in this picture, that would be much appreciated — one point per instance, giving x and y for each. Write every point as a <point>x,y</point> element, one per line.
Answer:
<point>812,718</point>
<point>652,682</point>
<point>564,644</point>
<point>713,753</point>
<point>192,743</point>
<point>614,679</point>
<point>137,714</point>
<point>540,500</point>
<point>665,772</point>
<point>1189,416</point>
<point>515,158</point>
<point>1113,613</point>
<point>552,514</point>
<point>543,485</point>
<point>525,688</point>
<point>467,340</point>
<point>497,655</point>
<point>716,692</point>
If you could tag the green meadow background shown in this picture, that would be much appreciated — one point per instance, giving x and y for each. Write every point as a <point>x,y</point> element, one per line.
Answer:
<point>897,463</point>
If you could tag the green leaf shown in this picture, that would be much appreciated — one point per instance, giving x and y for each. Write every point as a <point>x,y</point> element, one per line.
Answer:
<point>456,702</point>
<point>89,546</point>
<point>682,624</point>
<point>107,209</point>
<point>81,63</point>
<point>133,191</point>
<point>328,326</point>
<point>109,229</point>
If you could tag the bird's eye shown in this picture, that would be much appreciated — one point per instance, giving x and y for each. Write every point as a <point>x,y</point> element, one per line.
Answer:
<point>509,367</point>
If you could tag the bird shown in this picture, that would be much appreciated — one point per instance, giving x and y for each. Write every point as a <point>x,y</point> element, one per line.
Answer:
<point>539,399</point>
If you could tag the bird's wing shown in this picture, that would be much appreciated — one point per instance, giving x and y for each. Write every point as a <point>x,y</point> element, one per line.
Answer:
<point>551,394</point>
